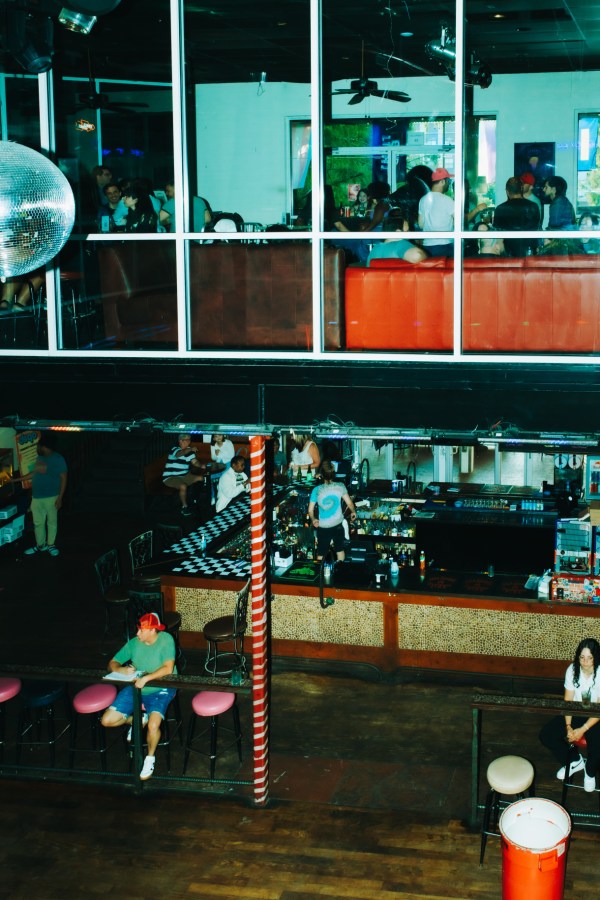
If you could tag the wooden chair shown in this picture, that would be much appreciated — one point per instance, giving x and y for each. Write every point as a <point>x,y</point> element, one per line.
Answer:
<point>228,630</point>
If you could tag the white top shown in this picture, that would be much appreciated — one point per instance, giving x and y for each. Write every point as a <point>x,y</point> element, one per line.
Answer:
<point>231,483</point>
<point>222,454</point>
<point>585,683</point>
<point>303,457</point>
<point>438,215</point>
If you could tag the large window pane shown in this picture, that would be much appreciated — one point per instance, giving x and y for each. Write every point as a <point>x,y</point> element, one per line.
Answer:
<point>257,294</point>
<point>388,127</point>
<point>247,78</point>
<point>535,292</point>
<point>248,74</point>
<point>113,123</point>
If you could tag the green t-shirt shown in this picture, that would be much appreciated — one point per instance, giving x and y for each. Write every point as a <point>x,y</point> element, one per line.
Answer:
<point>148,657</point>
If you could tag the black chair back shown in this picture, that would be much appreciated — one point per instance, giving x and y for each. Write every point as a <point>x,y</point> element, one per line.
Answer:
<point>141,549</point>
<point>108,571</point>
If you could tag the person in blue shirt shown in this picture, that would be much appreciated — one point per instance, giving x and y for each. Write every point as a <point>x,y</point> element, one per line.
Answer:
<point>48,484</point>
<point>562,214</point>
<point>326,512</point>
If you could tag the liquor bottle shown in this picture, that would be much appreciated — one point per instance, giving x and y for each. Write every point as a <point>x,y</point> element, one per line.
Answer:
<point>202,543</point>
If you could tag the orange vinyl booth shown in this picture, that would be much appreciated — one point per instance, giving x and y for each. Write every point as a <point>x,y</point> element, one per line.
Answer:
<point>395,305</point>
<point>545,304</point>
<point>538,304</point>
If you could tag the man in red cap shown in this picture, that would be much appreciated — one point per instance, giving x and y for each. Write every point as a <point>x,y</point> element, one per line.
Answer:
<point>528,182</point>
<point>436,213</point>
<point>152,653</point>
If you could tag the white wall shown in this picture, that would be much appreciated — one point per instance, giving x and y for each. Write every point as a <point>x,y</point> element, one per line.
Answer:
<point>243,135</point>
<point>243,146</point>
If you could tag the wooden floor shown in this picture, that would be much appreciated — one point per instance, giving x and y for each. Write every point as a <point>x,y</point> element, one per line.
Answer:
<point>369,782</point>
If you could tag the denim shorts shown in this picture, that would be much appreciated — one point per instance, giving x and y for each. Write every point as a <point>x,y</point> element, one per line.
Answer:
<point>155,701</point>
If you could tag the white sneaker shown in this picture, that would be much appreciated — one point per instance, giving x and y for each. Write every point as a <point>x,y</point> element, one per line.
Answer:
<point>576,766</point>
<point>147,768</point>
<point>144,723</point>
<point>589,782</point>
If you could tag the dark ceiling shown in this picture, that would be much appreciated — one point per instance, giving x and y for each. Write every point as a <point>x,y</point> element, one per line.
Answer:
<point>234,40</point>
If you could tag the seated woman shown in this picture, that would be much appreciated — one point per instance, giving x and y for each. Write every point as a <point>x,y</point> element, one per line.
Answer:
<point>590,222</point>
<point>361,205</point>
<point>305,454</point>
<point>141,215</point>
<point>221,451</point>
<point>582,685</point>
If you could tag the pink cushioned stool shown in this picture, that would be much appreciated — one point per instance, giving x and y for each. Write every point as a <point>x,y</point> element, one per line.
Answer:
<point>211,704</point>
<point>9,688</point>
<point>92,701</point>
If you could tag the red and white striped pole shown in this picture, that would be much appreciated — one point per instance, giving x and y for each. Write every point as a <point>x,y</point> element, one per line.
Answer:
<point>260,649</point>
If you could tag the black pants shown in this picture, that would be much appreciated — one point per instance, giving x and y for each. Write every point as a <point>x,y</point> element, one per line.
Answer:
<point>553,734</point>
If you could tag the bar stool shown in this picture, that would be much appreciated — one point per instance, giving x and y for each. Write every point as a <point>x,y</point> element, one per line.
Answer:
<point>507,776</point>
<point>227,630</point>
<point>38,699</point>
<point>9,688</point>
<point>77,308</point>
<point>211,704</point>
<point>91,701</point>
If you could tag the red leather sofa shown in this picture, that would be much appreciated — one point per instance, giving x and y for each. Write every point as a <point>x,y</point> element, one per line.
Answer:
<point>544,304</point>
<point>394,305</point>
<point>242,295</point>
<point>539,304</point>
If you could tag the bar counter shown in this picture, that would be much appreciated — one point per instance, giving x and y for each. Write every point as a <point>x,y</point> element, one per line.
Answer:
<point>457,621</point>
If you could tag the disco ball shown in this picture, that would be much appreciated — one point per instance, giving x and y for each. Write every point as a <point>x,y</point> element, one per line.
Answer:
<point>37,210</point>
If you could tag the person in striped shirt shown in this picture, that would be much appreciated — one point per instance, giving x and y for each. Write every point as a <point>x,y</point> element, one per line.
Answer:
<point>181,470</point>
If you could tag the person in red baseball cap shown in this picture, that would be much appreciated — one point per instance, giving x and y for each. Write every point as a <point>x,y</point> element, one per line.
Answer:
<point>436,213</point>
<point>528,182</point>
<point>440,175</point>
<point>149,656</point>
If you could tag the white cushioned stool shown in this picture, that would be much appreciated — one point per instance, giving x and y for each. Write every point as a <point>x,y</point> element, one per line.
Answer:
<point>507,776</point>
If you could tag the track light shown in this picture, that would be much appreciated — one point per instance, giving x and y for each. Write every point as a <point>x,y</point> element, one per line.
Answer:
<point>444,50</point>
<point>30,39</point>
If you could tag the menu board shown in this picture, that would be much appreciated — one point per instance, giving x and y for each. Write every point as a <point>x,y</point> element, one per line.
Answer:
<point>27,442</point>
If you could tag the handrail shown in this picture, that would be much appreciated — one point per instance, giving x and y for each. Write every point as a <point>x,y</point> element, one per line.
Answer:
<point>64,673</point>
<point>530,704</point>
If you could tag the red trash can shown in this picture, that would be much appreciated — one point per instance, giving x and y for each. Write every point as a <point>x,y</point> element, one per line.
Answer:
<point>535,835</point>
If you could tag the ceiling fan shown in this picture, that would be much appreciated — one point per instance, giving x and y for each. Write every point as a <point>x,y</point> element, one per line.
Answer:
<point>363,87</point>
<point>93,99</point>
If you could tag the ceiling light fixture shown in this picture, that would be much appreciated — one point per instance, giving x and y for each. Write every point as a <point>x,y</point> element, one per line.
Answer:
<point>75,21</point>
<point>80,16</point>
<point>444,50</point>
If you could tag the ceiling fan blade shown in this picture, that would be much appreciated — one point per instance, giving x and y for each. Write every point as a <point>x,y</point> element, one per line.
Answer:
<point>358,98</point>
<point>344,91</point>
<point>391,95</point>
